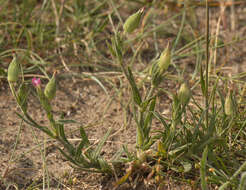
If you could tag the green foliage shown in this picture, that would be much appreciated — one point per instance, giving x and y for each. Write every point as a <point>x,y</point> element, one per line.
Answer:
<point>212,134</point>
<point>83,156</point>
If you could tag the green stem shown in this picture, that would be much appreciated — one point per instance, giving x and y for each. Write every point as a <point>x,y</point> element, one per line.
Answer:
<point>207,62</point>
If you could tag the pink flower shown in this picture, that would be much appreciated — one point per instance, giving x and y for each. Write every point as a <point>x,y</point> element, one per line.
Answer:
<point>36,82</point>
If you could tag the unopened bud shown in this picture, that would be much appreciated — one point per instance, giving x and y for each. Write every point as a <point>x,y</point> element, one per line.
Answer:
<point>229,107</point>
<point>13,70</point>
<point>165,60</point>
<point>184,94</point>
<point>36,82</point>
<point>50,89</point>
<point>132,22</point>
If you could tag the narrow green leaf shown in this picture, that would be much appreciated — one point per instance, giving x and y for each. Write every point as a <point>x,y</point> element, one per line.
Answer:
<point>104,166</point>
<point>117,45</point>
<point>84,136</point>
<point>64,141</point>
<point>204,184</point>
<point>179,149</point>
<point>111,49</point>
<point>129,155</point>
<point>79,149</point>
<point>66,121</point>
<point>202,82</point>
<point>242,185</point>
<point>98,149</point>
<point>145,104</point>
<point>161,119</point>
<point>68,157</point>
<point>83,143</point>
<point>31,122</point>
<point>135,91</point>
<point>99,83</point>
<point>148,119</point>
<point>117,155</point>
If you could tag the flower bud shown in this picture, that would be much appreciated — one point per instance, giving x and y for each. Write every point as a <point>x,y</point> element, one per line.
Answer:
<point>184,94</point>
<point>132,22</point>
<point>229,107</point>
<point>165,60</point>
<point>50,89</point>
<point>13,70</point>
<point>36,82</point>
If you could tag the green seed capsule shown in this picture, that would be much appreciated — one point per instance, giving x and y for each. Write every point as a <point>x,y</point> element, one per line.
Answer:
<point>184,94</point>
<point>50,89</point>
<point>165,60</point>
<point>229,107</point>
<point>13,70</point>
<point>132,21</point>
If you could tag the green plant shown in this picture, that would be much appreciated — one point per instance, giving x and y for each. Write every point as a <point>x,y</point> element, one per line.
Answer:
<point>183,139</point>
<point>144,106</point>
<point>83,156</point>
<point>195,138</point>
